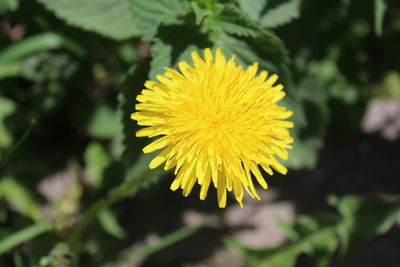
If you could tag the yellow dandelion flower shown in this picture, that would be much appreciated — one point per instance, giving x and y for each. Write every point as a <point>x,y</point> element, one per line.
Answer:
<point>219,123</point>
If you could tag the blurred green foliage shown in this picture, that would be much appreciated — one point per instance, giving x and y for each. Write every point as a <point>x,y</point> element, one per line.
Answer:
<point>69,74</point>
<point>321,235</point>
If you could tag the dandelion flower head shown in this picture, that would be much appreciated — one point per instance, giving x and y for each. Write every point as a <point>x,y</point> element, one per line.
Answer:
<point>219,124</point>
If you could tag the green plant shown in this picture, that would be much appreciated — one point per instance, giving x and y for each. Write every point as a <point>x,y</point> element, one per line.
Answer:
<point>69,75</point>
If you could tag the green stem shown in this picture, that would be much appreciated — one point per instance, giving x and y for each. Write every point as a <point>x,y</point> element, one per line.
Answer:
<point>164,242</point>
<point>4,157</point>
<point>24,235</point>
<point>91,214</point>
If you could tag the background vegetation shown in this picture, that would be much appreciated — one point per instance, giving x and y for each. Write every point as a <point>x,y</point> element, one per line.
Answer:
<point>74,186</point>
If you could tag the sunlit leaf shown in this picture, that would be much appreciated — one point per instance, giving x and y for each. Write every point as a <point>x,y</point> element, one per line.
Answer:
<point>229,19</point>
<point>253,8</point>
<point>281,14</point>
<point>148,15</point>
<point>111,18</point>
<point>24,235</point>
<point>96,160</point>
<point>40,42</point>
<point>7,107</point>
<point>104,123</point>
<point>109,222</point>
<point>270,53</point>
<point>9,5</point>
<point>19,197</point>
<point>379,14</point>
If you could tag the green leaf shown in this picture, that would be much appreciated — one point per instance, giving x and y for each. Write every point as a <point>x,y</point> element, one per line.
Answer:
<point>40,42</point>
<point>46,66</point>
<point>132,146</point>
<point>320,235</point>
<point>364,218</point>
<point>163,57</point>
<point>304,154</point>
<point>103,123</point>
<point>229,19</point>
<point>24,235</point>
<point>161,54</point>
<point>391,84</point>
<point>170,48</point>
<point>149,15</point>
<point>345,92</point>
<point>133,159</point>
<point>96,160</point>
<point>7,107</point>
<point>268,50</point>
<point>321,239</point>
<point>200,13</point>
<point>8,70</point>
<point>253,8</point>
<point>110,18</point>
<point>110,224</point>
<point>17,259</point>
<point>9,5</point>
<point>19,197</point>
<point>281,14</point>
<point>379,14</point>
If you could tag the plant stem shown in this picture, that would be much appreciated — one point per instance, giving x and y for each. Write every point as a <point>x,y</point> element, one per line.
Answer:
<point>24,235</point>
<point>4,157</point>
<point>90,215</point>
<point>164,242</point>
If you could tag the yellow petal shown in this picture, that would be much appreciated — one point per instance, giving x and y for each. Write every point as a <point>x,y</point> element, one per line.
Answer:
<point>272,79</point>
<point>158,144</point>
<point>189,172</point>
<point>205,184</point>
<point>220,60</point>
<point>238,190</point>
<point>177,182</point>
<point>260,179</point>
<point>252,70</point>
<point>208,56</point>
<point>198,61</point>
<point>221,193</point>
<point>160,158</point>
